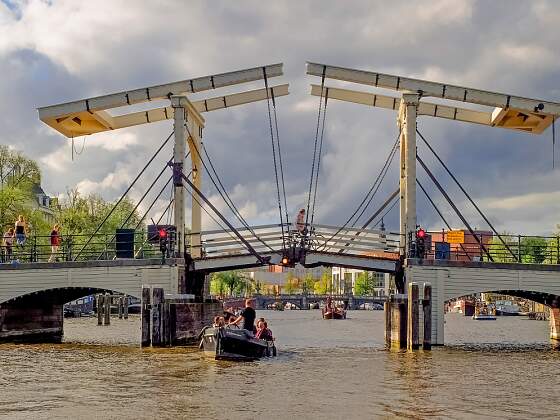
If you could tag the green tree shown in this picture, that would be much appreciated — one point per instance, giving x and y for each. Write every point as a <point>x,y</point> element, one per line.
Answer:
<point>18,175</point>
<point>226,283</point>
<point>292,284</point>
<point>323,285</point>
<point>308,283</point>
<point>79,217</point>
<point>364,284</point>
<point>534,250</point>
<point>501,253</point>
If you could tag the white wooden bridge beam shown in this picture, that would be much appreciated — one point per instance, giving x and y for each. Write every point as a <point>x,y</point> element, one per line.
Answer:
<point>188,125</point>
<point>407,125</point>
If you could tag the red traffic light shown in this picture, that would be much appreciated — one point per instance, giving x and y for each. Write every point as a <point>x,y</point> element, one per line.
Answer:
<point>420,233</point>
<point>285,261</point>
<point>162,233</point>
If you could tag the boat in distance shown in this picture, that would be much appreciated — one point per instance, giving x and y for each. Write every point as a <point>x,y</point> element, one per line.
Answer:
<point>223,343</point>
<point>484,317</point>
<point>334,313</point>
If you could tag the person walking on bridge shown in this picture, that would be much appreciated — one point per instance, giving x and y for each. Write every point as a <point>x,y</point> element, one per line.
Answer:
<point>248,315</point>
<point>21,231</point>
<point>300,221</point>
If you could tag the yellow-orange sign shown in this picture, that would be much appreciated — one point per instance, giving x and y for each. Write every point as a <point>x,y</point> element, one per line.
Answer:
<point>456,237</point>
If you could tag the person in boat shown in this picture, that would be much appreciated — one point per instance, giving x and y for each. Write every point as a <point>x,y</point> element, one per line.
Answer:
<point>329,304</point>
<point>248,316</point>
<point>228,315</point>
<point>262,331</point>
<point>219,321</point>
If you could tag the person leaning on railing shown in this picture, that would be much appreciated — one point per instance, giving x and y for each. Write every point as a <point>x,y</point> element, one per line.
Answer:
<point>55,242</point>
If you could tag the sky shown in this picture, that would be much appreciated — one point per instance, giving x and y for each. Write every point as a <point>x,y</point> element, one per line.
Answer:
<point>62,50</point>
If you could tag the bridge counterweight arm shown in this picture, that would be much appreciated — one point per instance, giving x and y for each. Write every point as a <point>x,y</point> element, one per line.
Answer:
<point>202,106</point>
<point>88,116</point>
<point>515,112</point>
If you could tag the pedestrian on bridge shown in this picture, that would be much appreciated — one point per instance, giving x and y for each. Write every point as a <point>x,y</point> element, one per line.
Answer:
<point>7,244</point>
<point>55,242</point>
<point>300,221</point>
<point>21,231</point>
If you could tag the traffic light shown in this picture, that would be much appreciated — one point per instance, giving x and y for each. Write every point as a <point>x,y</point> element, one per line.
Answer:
<point>162,233</point>
<point>420,243</point>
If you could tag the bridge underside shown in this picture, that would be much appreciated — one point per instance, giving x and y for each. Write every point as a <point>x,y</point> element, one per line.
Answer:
<point>311,259</point>
<point>38,317</point>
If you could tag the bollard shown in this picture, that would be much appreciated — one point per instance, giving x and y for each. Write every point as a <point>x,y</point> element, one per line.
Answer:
<point>146,316</point>
<point>120,306</point>
<point>107,309</point>
<point>166,338</point>
<point>125,308</point>
<point>387,311</point>
<point>412,337</point>
<point>172,323</point>
<point>427,308</point>
<point>99,305</point>
<point>157,309</point>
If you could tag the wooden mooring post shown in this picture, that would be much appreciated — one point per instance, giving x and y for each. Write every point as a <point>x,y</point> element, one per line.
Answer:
<point>427,308</point>
<point>157,316</point>
<point>107,308</point>
<point>120,305</point>
<point>403,323</point>
<point>387,313</point>
<point>99,304</point>
<point>413,314</point>
<point>125,306</point>
<point>146,316</point>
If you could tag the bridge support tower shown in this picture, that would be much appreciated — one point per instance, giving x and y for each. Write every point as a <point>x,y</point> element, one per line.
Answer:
<point>407,128</point>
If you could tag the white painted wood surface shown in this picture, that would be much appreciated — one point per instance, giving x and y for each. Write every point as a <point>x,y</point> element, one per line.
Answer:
<point>122,279</point>
<point>453,282</point>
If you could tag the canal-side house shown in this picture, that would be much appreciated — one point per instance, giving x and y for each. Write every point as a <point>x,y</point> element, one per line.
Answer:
<point>343,281</point>
<point>46,204</point>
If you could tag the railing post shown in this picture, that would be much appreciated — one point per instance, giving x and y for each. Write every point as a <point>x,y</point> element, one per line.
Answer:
<point>519,248</point>
<point>105,248</point>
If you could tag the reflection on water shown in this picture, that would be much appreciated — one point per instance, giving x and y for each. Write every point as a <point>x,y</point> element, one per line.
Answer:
<point>326,369</point>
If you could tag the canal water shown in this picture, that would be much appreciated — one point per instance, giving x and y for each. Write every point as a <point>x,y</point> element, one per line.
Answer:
<point>325,370</point>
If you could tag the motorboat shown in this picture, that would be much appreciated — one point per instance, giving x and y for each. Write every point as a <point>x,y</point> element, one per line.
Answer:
<point>333,313</point>
<point>483,313</point>
<point>484,317</point>
<point>507,308</point>
<point>226,343</point>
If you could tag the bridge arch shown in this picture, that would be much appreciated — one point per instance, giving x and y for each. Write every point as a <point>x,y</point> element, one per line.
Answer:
<point>453,279</point>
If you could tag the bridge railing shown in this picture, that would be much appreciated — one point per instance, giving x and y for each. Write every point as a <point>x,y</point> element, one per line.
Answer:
<point>318,237</point>
<point>263,238</point>
<point>485,246</point>
<point>353,241</point>
<point>102,246</point>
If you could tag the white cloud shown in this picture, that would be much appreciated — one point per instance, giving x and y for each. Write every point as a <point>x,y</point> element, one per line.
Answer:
<point>64,50</point>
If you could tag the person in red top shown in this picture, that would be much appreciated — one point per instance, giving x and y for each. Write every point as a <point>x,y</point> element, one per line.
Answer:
<point>262,331</point>
<point>55,242</point>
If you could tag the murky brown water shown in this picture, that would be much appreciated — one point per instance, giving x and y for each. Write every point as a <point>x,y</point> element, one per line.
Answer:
<point>326,370</point>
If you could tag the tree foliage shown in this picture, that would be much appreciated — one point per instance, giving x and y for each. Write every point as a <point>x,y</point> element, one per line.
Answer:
<point>292,284</point>
<point>365,284</point>
<point>228,283</point>
<point>323,286</point>
<point>18,175</point>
